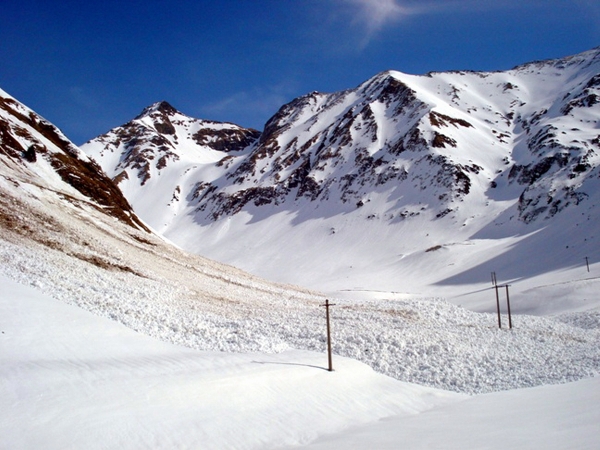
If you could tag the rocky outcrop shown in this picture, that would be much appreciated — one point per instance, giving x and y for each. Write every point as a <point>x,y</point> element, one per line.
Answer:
<point>29,140</point>
<point>439,140</point>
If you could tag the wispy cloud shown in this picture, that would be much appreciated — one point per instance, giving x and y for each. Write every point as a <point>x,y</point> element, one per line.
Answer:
<point>375,15</point>
<point>250,107</point>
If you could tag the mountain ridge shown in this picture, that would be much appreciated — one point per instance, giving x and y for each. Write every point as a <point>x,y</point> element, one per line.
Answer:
<point>34,149</point>
<point>463,154</point>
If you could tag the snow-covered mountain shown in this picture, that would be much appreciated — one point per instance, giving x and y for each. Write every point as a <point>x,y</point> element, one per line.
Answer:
<point>87,252</point>
<point>161,147</point>
<point>67,230</point>
<point>405,183</point>
<point>34,151</point>
<point>67,233</point>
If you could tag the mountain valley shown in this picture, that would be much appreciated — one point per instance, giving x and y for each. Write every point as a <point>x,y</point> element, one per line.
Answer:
<point>404,185</point>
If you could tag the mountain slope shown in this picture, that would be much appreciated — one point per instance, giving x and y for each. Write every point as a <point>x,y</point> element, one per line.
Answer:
<point>57,203</point>
<point>34,149</point>
<point>64,244</point>
<point>405,183</point>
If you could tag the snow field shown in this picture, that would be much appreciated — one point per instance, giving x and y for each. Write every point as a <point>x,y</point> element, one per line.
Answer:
<point>550,417</point>
<point>425,341</point>
<point>72,380</point>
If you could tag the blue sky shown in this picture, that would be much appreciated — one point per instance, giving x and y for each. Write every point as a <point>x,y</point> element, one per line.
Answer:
<point>90,66</point>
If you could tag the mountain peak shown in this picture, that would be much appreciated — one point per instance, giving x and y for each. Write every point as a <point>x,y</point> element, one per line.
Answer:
<point>394,167</point>
<point>163,107</point>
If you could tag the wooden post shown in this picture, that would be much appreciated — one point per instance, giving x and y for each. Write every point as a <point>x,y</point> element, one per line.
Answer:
<point>498,306</point>
<point>587,263</point>
<point>329,359</point>
<point>508,306</point>
<point>495,283</point>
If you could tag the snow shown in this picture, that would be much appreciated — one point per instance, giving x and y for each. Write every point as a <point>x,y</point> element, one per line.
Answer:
<point>183,352</point>
<point>111,337</point>
<point>74,380</point>
<point>421,340</point>
<point>382,246</point>
<point>549,417</point>
<point>221,359</point>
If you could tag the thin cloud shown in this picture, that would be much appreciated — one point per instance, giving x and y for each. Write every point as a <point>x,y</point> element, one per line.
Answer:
<point>246,107</point>
<point>375,15</point>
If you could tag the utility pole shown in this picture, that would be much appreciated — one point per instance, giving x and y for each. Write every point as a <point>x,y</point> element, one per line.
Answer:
<point>495,284</point>
<point>508,307</point>
<point>587,263</point>
<point>327,305</point>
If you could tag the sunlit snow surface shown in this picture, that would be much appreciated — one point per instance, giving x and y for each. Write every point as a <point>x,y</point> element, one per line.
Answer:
<point>388,216</point>
<point>72,380</point>
<point>110,337</point>
<point>425,341</point>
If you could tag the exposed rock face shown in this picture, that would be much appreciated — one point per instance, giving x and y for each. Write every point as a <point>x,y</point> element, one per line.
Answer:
<point>33,146</point>
<point>152,140</point>
<point>438,140</point>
